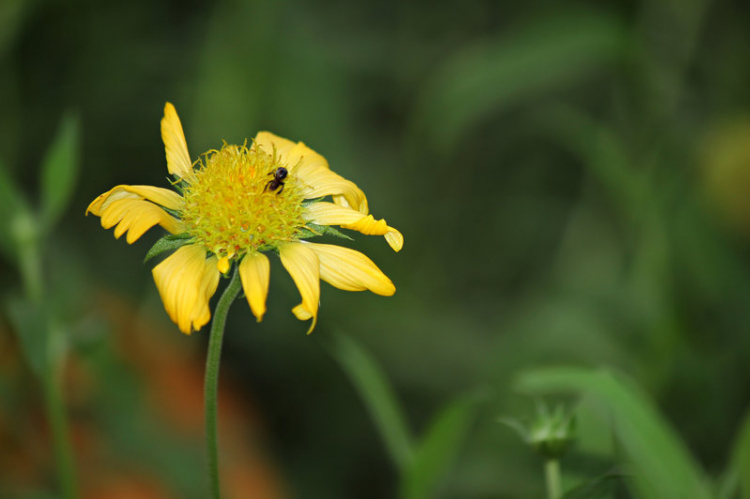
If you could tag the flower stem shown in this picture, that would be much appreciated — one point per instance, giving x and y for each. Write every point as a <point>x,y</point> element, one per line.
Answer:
<point>211,386</point>
<point>61,446</point>
<point>552,477</point>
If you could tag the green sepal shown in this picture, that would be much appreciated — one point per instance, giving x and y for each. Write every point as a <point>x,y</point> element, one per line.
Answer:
<point>167,243</point>
<point>313,230</point>
<point>309,202</point>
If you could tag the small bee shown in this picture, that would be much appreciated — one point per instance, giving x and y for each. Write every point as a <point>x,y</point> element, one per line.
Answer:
<point>278,179</point>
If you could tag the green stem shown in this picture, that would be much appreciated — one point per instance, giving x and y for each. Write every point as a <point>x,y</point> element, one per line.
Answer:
<point>552,477</point>
<point>211,386</point>
<point>58,420</point>
<point>30,267</point>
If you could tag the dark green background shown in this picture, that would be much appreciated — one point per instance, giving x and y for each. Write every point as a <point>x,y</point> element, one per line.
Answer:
<point>571,180</point>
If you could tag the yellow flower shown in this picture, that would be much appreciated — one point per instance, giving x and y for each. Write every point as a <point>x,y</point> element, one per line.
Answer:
<point>238,203</point>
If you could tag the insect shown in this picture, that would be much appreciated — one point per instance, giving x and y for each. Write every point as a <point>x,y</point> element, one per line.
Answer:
<point>278,179</point>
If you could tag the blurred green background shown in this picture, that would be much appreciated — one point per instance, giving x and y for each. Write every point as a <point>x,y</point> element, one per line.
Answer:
<point>572,181</point>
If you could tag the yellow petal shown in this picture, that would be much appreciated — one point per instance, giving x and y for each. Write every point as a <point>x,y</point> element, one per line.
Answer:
<point>186,281</point>
<point>270,142</point>
<point>178,158</point>
<point>304,267</point>
<point>321,182</point>
<point>163,197</point>
<point>313,170</point>
<point>255,272</point>
<point>136,216</point>
<point>350,270</point>
<point>324,213</point>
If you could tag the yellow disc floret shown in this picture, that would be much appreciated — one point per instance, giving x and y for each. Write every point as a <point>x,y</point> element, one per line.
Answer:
<point>230,207</point>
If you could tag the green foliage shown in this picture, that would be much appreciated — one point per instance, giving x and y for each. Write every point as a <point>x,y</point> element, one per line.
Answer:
<point>739,470</point>
<point>60,171</point>
<point>438,448</point>
<point>167,243</point>
<point>377,395</point>
<point>13,206</point>
<point>600,488</point>
<point>423,463</point>
<point>30,320</point>
<point>662,466</point>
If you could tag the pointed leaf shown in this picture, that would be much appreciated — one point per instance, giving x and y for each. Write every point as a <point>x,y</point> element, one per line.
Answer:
<point>438,448</point>
<point>377,395</point>
<point>60,171</point>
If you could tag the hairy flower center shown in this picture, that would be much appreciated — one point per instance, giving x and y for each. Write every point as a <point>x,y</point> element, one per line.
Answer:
<point>240,201</point>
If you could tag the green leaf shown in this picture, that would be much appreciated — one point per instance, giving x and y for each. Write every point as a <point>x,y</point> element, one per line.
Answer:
<point>599,488</point>
<point>740,464</point>
<point>662,466</point>
<point>13,206</point>
<point>30,323</point>
<point>438,448</point>
<point>493,74</point>
<point>60,171</point>
<point>167,243</point>
<point>313,230</point>
<point>377,395</point>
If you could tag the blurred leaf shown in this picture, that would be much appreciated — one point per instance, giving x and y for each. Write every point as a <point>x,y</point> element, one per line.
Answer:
<point>438,448</point>
<point>600,488</point>
<point>60,171</point>
<point>662,465</point>
<point>740,464</point>
<point>30,323</point>
<point>166,243</point>
<point>12,206</point>
<point>378,396</point>
<point>485,78</point>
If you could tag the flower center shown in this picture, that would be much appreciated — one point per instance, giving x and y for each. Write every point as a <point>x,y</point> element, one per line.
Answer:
<point>242,200</point>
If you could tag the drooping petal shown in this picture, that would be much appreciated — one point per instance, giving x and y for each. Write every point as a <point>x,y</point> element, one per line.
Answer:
<point>178,158</point>
<point>136,216</point>
<point>304,267</point>
<point>186,281</point>
<point>350,270</point>
<point>163,197</point>
<point>255,272</point>
<point>324,213</point>
<point>312,169</point>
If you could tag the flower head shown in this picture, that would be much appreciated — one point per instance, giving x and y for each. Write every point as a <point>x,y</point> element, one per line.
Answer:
<point>234,206</point>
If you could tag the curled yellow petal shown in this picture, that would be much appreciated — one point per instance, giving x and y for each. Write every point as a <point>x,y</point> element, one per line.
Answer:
<point>163,197</point>
<point>304,267</point>
<point>324,213</point>
<point>255,272</point>
<point>350,270</point>
<point>136,216</point>
<point>175,146</point>
<point>186,280</point>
